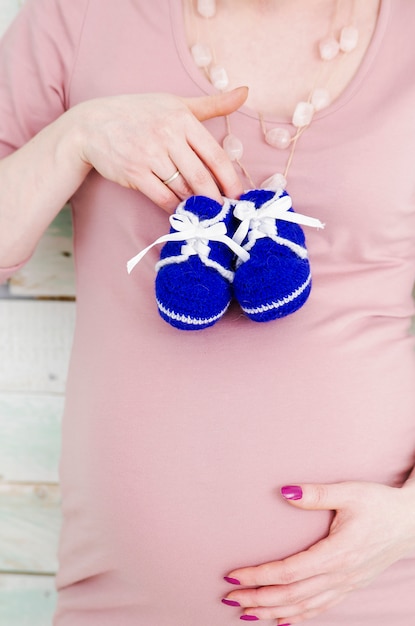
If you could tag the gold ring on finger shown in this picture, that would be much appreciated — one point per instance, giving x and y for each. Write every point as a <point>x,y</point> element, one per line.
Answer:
<point>171,178</point>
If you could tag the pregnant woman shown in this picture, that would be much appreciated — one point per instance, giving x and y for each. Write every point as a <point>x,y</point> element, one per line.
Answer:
<point>249,470</point>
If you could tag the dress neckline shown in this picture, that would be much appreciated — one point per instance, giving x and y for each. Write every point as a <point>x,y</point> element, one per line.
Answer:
<point>179,35</point>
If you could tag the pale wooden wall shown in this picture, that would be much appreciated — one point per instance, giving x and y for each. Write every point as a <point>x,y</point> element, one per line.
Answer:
<point>36,327</point>
<point>8,10</point>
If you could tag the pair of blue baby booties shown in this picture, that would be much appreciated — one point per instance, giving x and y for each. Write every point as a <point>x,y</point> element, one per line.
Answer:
<point>198,278</point>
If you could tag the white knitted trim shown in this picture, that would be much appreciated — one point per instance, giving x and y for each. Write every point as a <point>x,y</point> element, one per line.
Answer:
<point>170,259</point>
<point>225,273</point>
<point>219,217</point>
<point>187,319</point>
<point>300,251</point>
<point>279,303</point>
<point>295,247</point>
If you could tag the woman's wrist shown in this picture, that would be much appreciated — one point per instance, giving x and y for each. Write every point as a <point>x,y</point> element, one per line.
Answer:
<point>52,168</point>
<point>72,139</point>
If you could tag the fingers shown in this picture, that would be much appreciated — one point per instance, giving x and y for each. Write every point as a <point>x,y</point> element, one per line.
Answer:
<point>177,178</point>
<point>288,603</point>
<point>205,166</point>
<point>167,195</point>
<point>204,169</point>
<point>307,583</point>
<point>279,595</point>
<point>206,107</point>
<point>218,175</point>
<point>139,141</point>
<point>291,614</point>
<point>312,562</point>
<point>171,176</point>
<point>180,187</point>
<point>330,497</point>
<point>361,543</point>
<point>151,186</point>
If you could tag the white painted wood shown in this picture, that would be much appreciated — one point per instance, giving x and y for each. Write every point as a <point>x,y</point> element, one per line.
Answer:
<point>30,521</point>
<point>8,11</point>
<point>27,600</point>
<point>50,271</point>
<point>35,343</point>
<point>30,437</point>
<point>4,290</point>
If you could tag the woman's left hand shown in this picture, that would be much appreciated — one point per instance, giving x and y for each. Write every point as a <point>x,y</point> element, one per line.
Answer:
<point>373,526</point>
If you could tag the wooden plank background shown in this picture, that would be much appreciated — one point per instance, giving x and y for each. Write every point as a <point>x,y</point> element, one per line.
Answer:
<point>26,600</point>
<point>50,272</point>
<point>37,316</point>
<point>35,342</point>
<point>8,10</point>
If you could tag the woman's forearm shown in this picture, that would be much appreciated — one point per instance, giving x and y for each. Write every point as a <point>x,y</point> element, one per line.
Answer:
<point>35,182</point>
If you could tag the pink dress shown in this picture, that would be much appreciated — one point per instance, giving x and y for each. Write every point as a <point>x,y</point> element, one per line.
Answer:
<point>175,444</point>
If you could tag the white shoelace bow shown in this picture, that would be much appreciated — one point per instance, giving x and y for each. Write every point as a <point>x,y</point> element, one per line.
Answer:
<point>190,229</point>
<point>255,223</point>
<point>258,223</point>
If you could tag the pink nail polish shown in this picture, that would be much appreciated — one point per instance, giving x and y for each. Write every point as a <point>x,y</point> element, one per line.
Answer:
<point>292,492</point>
<point>232,581</point>
<point>249,618</point>
<point>230,602</point>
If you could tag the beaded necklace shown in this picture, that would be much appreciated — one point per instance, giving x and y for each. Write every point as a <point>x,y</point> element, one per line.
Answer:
<point>338,41</point>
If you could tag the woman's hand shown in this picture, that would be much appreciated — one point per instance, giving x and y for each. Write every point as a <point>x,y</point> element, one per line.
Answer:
<point>134,140</point>
<point>373,526</point>
<point>138,141</point>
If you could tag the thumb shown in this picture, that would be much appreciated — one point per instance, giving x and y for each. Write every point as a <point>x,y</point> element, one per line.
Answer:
<point>330,497</point>
<point>224,103</point>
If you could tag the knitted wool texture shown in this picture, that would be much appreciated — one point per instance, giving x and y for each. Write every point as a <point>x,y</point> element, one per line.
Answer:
<point>191,295</point>
<point>275,281</point>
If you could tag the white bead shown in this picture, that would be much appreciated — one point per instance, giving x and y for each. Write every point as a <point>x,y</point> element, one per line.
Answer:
<point>202,54</point>
<point>349,37</point>
<point>219,77</point>
<point>233,147</point>
<point>278,138</point>
<point>303,114</point>
<point>275,182</point>
<point>320,98</point>
<point>329,48</point>
<point>206,8</point>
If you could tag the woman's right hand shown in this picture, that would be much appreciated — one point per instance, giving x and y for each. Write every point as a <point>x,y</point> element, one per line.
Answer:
<point>134,140</point>
<point>138,141</point>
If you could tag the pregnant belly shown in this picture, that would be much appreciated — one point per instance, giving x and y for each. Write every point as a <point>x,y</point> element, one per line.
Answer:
<point>182,485</point>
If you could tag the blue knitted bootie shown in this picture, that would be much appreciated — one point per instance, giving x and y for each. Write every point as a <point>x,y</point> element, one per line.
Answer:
<point>195,271</point>
<point>276,280</point>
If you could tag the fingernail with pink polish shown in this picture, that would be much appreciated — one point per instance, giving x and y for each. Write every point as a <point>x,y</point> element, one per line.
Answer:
<point>230,602</point>
<point>292,492</point>
<point>232,581</point>
<point>249,618</point>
